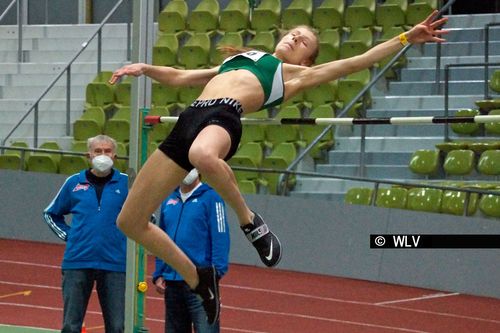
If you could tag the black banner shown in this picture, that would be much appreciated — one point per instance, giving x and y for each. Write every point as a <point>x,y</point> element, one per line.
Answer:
<point>426,241</point>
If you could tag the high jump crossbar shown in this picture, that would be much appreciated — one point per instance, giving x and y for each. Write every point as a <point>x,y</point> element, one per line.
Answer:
<point>349,121</point>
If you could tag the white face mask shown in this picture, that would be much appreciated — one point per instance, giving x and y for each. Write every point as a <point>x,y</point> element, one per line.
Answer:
<point>102,163</point>
<point>191,177</point>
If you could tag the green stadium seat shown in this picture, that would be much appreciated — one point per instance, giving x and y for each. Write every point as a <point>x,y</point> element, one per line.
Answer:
<point>165,50</point>
<point>45,162</point>
<point>325,93</point>
<point>253,132</point>
<point>204,17</point>
<point>486,105</point>
<point>247,186</point>
<point>90,124</point>
<point>492,128</point>
<point>298,12</point>
<point>249,155</point>
<point>195,52</point>
<point>99,92</point>
<point>328,15</point>
<point>419,10</point>
<point>15,159</point>
<point>454,203</point>
<point>277,134</point>
<point>160,131</point>
<point>466,128</point>
<point>489,163</point>
<point>163,95</point>
<point>121,151</point>
<point>187,95</point>
<point>446,147</point>
<point>234,39</point>
<point>118,127</point>
<point>489,205</point>
<point>394,197</point>
<point>481,147</point>
<point>263,41</point>
<point>347,91</point>
<point>358,196</point>
<point>358,42</point>
<point>425,162</point>
<point>495,81</point>
<point>122,91</point>
<point>391,13</point>
<point>329,44</point>
<point>459,162</point>
<point>360,14</point>
<point>266,16</point>
<point>425,199</point>
<point>279,159</point>
<point>71,164</point>
<point>235,17</point>
<point>173,17</point>
<point>310,133</point>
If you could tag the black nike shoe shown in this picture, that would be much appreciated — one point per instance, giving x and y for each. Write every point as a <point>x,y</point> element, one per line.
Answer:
<point>264,240</point>
<point>208,289</point>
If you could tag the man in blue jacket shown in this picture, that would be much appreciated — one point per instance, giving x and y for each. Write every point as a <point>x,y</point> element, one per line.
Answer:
<point>95,247</point>
<point>194,216</point>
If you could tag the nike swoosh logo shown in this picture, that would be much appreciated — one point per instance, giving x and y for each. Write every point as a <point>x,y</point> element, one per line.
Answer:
<point>212,296</point>
<point>270,256</point>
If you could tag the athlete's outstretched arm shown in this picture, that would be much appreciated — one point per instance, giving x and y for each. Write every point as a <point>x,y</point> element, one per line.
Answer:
<point>166,75</point>
<point>426,31</point>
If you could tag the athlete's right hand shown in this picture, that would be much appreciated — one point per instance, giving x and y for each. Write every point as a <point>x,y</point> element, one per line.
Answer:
<point>160,285</point>
<point>131,70</point>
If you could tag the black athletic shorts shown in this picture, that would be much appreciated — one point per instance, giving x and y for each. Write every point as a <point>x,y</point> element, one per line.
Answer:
<point>224,112</point>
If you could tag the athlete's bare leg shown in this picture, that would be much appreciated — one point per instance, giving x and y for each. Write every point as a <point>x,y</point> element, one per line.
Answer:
<point>207,154</point>
<point>155,181</point>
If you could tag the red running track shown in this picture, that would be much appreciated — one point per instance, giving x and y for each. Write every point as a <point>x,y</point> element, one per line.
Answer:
<point>254,300</point>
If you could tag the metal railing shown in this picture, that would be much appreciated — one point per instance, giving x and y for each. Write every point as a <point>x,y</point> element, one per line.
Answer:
<point>67,69</point>
<point>283,183</point>
<point>447,89</point>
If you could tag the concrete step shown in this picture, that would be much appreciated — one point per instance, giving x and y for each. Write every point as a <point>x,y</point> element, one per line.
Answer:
<point>63,30</point>
<point>326,185</point>
<point>378,158</point>
<point>54,116</point>
<point>474,48</point>
<point>476,20</point>
<point>470,34</point>
<point>64,56</point>
<point>63,140</point>
<point>413,88</point>
<point>329,196</point>
<point>429,74</point>
<point>391,131</point>
<point>379,144</point>
<point>430,62</point>
<point>370,171</point>
<point>423,102</point>
<point>30,92</point>
<point>56,67</point>
<point>44,105</point>
<point>382,113</point>
<point>22,80</point>
<point>25,130</point>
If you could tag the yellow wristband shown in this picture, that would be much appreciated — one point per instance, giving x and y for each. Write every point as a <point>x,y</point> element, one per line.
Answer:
<point>403,39</point>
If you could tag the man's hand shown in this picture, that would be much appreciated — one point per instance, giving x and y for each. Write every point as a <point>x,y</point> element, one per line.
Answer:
<point>160,285</point>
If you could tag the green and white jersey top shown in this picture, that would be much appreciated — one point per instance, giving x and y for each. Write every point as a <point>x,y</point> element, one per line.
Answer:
<point>267,68</point>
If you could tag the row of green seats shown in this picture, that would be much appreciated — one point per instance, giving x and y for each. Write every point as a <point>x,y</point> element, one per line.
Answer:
<point>52,162</point>
<point>494,102</point>
<point>427,200</point>
<point>270,14</point>
<point>458,162</point>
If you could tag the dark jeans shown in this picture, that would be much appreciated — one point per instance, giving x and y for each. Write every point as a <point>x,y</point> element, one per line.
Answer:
<point>77,287</point>
<point>184,310</point>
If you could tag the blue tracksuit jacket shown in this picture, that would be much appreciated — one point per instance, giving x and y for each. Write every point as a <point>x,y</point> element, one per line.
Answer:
<point>199,227</point>
<point>93,240</point>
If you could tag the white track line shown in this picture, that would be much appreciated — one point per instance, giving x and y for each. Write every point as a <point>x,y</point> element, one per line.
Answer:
<point>444,314</point>
<point>325,319</point>
<point>437,295</point>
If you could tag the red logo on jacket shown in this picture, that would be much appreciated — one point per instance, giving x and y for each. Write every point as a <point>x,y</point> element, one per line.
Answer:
<point>79,187</point>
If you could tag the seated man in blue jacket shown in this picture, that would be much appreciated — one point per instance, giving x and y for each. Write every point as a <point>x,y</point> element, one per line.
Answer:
<point>194,216</point>
<point>95,248</point>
